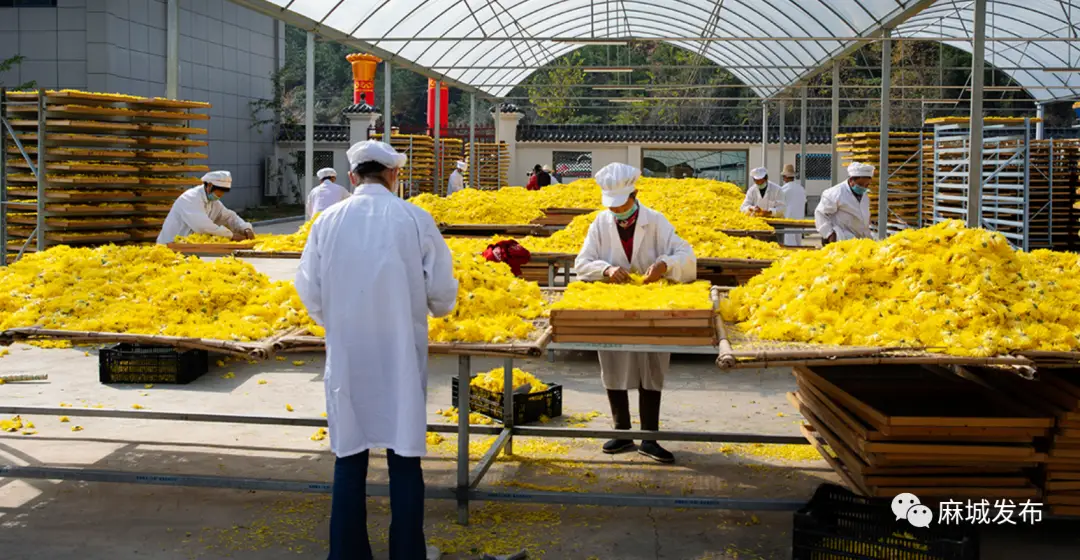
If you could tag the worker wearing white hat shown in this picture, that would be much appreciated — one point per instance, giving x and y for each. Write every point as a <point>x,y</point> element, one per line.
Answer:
<point>794,202</point>
<point>631,238</point>
<point>456,182</point>
<point>763,195</point>
<point>199,210</point>
<point>326,194</point>
<point>373,268</point>
<point>844,210</point>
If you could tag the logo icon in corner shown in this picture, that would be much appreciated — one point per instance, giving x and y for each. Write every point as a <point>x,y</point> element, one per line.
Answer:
<point>907,506</point>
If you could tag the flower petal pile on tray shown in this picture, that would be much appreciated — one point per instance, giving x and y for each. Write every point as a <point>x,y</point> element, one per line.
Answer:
<point>635,296</point>
<point>945,288</point>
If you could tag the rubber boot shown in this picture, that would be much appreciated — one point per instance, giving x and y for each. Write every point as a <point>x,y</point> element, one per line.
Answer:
<point>620,411</point>
<point>649,401</point>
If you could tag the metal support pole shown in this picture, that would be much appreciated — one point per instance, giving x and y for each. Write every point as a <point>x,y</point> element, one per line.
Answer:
<point>498,148</point>
<point>835,160</point>
<point>3,177</point>
<point>975,155</point>
<point>883,161</point>
<point>802,138</point>
<point>1040,113</point>
<point>764,136</point>
<point>508,402</point>
<point>1026,241</point>
<point>783,132</point>
<point>309,119</point>
<point>42,171</point>
<point>438,187</point>
<point>388,78</point>
<point>464,376</point>
<point>474,169</point>
<point>172,49</point>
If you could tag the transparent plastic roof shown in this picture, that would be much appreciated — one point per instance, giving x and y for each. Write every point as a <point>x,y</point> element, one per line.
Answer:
<point>494,44</point>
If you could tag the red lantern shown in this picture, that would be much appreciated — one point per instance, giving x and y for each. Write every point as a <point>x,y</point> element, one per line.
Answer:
<point>444,105</point>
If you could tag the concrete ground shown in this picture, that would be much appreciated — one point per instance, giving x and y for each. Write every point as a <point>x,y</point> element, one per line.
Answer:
<point>72,520</point>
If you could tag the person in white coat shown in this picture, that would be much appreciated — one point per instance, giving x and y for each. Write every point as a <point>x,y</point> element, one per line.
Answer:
<point>631,238</point>
<point>456,182</point>
<point>763,195</point>
<point>326,194</point>
<point>373,268</point>
<point>200,210</point>
<point>551,173</point>
<point>844,210</point>
<point>794,203</point>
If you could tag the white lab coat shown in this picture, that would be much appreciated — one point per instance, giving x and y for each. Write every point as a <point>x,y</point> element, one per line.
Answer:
<point>323,196</point>
<point>841,213</point>
<point>373,268</point>
<point>654,240</point>
<point>772,200</point>
<point>794,208</point>
<point>455,183</point>
<point>194,213</point>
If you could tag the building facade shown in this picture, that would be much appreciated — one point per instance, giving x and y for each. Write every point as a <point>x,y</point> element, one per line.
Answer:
<point>228,55</point>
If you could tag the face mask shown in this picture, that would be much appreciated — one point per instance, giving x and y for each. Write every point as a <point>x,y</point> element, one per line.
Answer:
<point>624,215</point>
<point>858,190</point>
<point>212,197</point>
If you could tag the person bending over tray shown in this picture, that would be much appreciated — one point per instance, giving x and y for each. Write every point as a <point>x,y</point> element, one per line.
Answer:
<point>631,238</point>
<point>200,210</point>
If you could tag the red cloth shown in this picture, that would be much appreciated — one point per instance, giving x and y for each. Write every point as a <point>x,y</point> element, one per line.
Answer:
<point>533,184</point>
<point>628,246</point>
<point>626,231</point>
<point>510,252</point>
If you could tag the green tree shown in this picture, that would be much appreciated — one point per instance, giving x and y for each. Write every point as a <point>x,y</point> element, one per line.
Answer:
<point>8,64</point>
<point>550,91</point>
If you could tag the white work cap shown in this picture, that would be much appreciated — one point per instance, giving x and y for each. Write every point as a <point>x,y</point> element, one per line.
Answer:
<point>373,150</point>
<point>221,179</point>
<point>759,173</point>
<point>326,172</point>
<point>858,169</point>
<point>547,168</point>
<point>616,182</point>
<point>462,165</point>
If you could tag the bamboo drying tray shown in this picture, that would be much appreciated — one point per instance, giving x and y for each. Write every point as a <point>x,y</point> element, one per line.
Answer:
<point>163,168</point>
<point>261,349</point>
<point>77,124</point>
<point>163,129</point>
<point>181,142</point>
<point>253,254</point>
<point>170,155</point>
<point>82,238</point>
<point>669,327</point>
<point>190,181</point>
<point>516,349</point>
<point>210,248</point>
<point>170,103</point>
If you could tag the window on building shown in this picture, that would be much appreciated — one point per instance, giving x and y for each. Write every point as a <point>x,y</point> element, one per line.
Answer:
<point>321,158</point>
<point>721,165</point>
<point>27,3</point>
<point>573,165</point>
<point>818,166</point>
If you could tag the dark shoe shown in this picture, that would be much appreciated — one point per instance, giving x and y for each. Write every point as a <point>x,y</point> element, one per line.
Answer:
<point>652,450</point>
<point>618,446</point>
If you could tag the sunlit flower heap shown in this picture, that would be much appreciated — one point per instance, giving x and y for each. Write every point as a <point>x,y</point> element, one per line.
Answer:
<point>493,380</point>
<point>146,290</point>
<point>635,296</point>
<point>945,288</point>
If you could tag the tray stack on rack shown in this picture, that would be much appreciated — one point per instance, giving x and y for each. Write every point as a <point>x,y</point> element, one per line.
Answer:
<point>494,166</point>
<point>920,429</point>
<point>453,151</point>
<point>904,166</point>
<point>669,327</point>
<point>1056,392</point>
<point>1051,194</point>
<point>927,207</point>
<point>114,165</point>
<point>418,175</point>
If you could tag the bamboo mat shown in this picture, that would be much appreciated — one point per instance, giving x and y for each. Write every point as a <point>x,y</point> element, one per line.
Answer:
<point>256,350</point>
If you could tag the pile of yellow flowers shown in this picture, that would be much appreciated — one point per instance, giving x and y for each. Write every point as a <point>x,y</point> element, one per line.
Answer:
<point>493,380</point>
<point>945,288</point>
<point>492,304</point>
<point>635,296</point>
<point>206,238</point>
<point>146,289</point>
<point>711,243</point>
<point>473,206</point>
<point>293,242</point>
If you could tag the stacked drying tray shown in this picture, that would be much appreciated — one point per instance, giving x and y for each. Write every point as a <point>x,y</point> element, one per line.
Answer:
<point>1051,198</point>
<point>493,165</point>
<point>904,167</point>
<point>418,174</point>
<point>114,165</point>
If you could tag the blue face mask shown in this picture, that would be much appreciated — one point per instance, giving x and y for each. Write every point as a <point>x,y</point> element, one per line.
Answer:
<point>624,215</point>
<point>858,190</point>
<point>212,197</point>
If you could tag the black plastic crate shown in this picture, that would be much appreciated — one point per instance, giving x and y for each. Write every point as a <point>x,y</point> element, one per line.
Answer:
<point>839,525</point>
<point>527,408</point>
<point>140,363</point>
